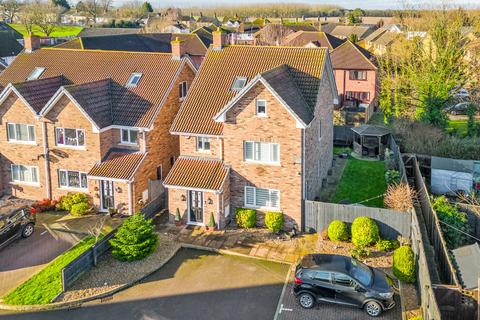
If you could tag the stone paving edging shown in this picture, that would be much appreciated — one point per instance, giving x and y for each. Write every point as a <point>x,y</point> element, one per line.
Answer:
<point>78,302</point>
<point>402,303</point>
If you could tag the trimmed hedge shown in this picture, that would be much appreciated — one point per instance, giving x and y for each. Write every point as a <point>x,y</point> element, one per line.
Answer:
<point>246,218</point>
<point>338,231</point>
<point>80,209</point>
<point>364,231</point>
<point>274,221</point>
<point>404,264</point>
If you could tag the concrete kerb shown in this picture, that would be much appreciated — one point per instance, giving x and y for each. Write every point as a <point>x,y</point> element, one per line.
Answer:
<point>78,302</point>
<point>402,303</point>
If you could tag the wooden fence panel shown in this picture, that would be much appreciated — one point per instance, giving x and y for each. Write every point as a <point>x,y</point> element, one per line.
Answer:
<point>318,216</point>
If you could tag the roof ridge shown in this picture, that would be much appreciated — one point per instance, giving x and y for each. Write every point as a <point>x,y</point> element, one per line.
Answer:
<point>106,51</point>
<point>203,158</point>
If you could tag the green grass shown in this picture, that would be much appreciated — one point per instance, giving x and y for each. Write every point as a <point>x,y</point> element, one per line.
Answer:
<point>44,286</point>
<point>362,180</point>
<point>60,31</point>
<point>459,126</point>
<point>338,150</point>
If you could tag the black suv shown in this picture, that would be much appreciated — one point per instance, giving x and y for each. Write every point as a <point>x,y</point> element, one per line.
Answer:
<point>342,280</point>
<point>15,222</point>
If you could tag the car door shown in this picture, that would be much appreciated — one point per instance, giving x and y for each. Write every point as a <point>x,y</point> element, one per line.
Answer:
<point>321,283</point>
<point>345,290</point>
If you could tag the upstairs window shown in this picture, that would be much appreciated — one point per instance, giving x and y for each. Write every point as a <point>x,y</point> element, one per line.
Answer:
<point>134,80</point>
<point>261,152</point>
<point>358,75</point>
<point>130,136</point>
<point>21,133</point>
<point>203,144</point>
<point>72,179</point>
<point>36,73</point>
<point>239,83</point>
<point>70,137</point>
<point>26,174</point>
<point>261,108</point>
<point>182,88</point>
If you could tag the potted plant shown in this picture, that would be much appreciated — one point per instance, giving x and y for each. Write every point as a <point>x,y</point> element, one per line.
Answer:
<point>211,224</point>
<point>178,218</point>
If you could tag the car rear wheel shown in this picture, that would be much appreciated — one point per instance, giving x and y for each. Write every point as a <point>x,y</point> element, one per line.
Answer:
<point>306,300</point>
<point>373,308</point>
<point>28,230</point>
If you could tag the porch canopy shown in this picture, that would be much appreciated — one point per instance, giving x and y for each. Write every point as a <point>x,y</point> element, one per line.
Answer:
<point>370,140</point>
<point>197,173</point>
<point>117,165</point>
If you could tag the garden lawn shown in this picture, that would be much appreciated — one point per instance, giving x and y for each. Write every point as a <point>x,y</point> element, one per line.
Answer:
<point>362,180</point>
<point>459,126</point>
<point>43,287</point>
<point>59,31</point>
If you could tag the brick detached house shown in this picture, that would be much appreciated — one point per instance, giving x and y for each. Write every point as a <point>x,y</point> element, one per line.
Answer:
<point>255,131</point>
<point>90,121</point>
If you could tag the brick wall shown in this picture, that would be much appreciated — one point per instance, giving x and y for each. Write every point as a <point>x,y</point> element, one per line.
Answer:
<point>175,201</point>
<point>188,147</point>
<point>344,83</point>
<point>279,127</point>
<point>13,110</point>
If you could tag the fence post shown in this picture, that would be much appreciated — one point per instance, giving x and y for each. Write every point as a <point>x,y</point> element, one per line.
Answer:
<point>64,286</point>
<point>94,252</point>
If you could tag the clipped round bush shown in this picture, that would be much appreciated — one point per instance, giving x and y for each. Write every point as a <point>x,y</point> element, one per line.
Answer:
<point>404,264</point>
<point>246,218</point>
<point>274,221</point>
<point>66,202</point>
<point>364,231</point>
<point>80,209</point>
<point>338,231</point>
<point>135,239</point>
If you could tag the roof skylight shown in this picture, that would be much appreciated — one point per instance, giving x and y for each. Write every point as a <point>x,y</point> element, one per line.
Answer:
<point>134,79</point>
<point>36,73</point>
<point>239,83</point>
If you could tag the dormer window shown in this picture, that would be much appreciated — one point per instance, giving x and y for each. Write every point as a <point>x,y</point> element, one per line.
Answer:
<point>36,73</point>
<point>129,136</point>
<point>239,83</point>
<point>134,80</point>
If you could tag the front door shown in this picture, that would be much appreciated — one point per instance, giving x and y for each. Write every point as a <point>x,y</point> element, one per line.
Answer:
<point>106,188</point>
<point>195,207</point>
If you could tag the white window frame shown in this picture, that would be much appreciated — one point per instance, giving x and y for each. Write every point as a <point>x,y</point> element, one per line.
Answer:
<point>31,140</point>
<point>239,78</point>
<point>36,73</point>
<point>182,90</point>
<point>201,141</point>
<point>254,205</point>
<point>130,83</point>
<point>33,183</point>
<point>129,142</point>
<point>261,114</point>
<point>64,145</point>
<point>80,173</point>
<point>254,152</point>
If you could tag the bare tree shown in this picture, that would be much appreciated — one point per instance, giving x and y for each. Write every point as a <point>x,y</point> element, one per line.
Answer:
<point>96,229</point>
<point>105,5</point>
<point>91,8</point>
<point>273,34</point>
<point>45,15</point>
<point>9,9</point>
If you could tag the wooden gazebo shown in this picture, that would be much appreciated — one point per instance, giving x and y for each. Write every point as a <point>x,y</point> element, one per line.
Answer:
<point>370,141</point>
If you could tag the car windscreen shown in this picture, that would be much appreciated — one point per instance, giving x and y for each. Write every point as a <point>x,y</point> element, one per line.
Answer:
<point>360,272</point>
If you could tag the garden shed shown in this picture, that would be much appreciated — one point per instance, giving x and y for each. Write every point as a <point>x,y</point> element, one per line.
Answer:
<point>467,259</point>
<point>453,175</point>
<point>370,141</point>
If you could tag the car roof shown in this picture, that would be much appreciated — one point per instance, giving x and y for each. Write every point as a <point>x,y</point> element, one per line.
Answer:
<point>327,262</point>
<point>7,210</point>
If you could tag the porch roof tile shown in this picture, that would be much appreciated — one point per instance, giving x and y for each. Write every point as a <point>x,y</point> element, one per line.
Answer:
<point>118,165</point>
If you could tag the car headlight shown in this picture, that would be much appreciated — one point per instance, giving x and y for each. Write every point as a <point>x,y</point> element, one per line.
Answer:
<point>386,295</point>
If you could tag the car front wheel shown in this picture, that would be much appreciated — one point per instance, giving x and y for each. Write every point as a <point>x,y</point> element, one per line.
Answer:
<point>373,308</point>
<point>306,300</point>
<point>28,230</point>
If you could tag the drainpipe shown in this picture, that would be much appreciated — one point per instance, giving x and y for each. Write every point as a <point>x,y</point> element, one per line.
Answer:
<point>46,158</point>
<point>130,198</point>
<point>302,204</point>
<point>218,209</point>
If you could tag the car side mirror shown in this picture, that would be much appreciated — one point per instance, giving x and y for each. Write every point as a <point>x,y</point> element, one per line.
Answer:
<point>359,288</point>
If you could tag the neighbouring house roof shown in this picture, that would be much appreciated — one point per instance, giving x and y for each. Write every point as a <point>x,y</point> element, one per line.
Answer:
<point>139,104</point>
<point>360,31</point>
<point>118,164</point>
<point>368,130</point>
<point>197,173</point>
<point>300,27</point>
<point>212,20</point>
<point>95,32</point>
<point>467,260</point>
<point>321,39</point>
<point>4,27</point>
<point>350,56</point>
<point>38,92</point>
<point>206,34</point>
<point>145,42</point>
<point>386,38</point>
<point>211,90</point>
<point>328,27</point>
<point>375,34</point>
<point>9,45</point>
<point>457,165</point>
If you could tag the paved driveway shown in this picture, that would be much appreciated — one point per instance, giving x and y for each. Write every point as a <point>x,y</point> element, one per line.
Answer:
<point>290,310</point>
<point>193,285</point>
<point>22,258</point>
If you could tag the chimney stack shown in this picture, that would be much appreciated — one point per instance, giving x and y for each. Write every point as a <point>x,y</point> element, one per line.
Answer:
<point>178,49</point>
<point>218,39</point>
<point>31,43</point>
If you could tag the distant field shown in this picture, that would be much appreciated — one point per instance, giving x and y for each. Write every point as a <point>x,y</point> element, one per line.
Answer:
<point>60,31</point>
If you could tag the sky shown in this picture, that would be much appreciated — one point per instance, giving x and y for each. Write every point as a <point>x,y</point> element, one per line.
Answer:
<point>364,4</point>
